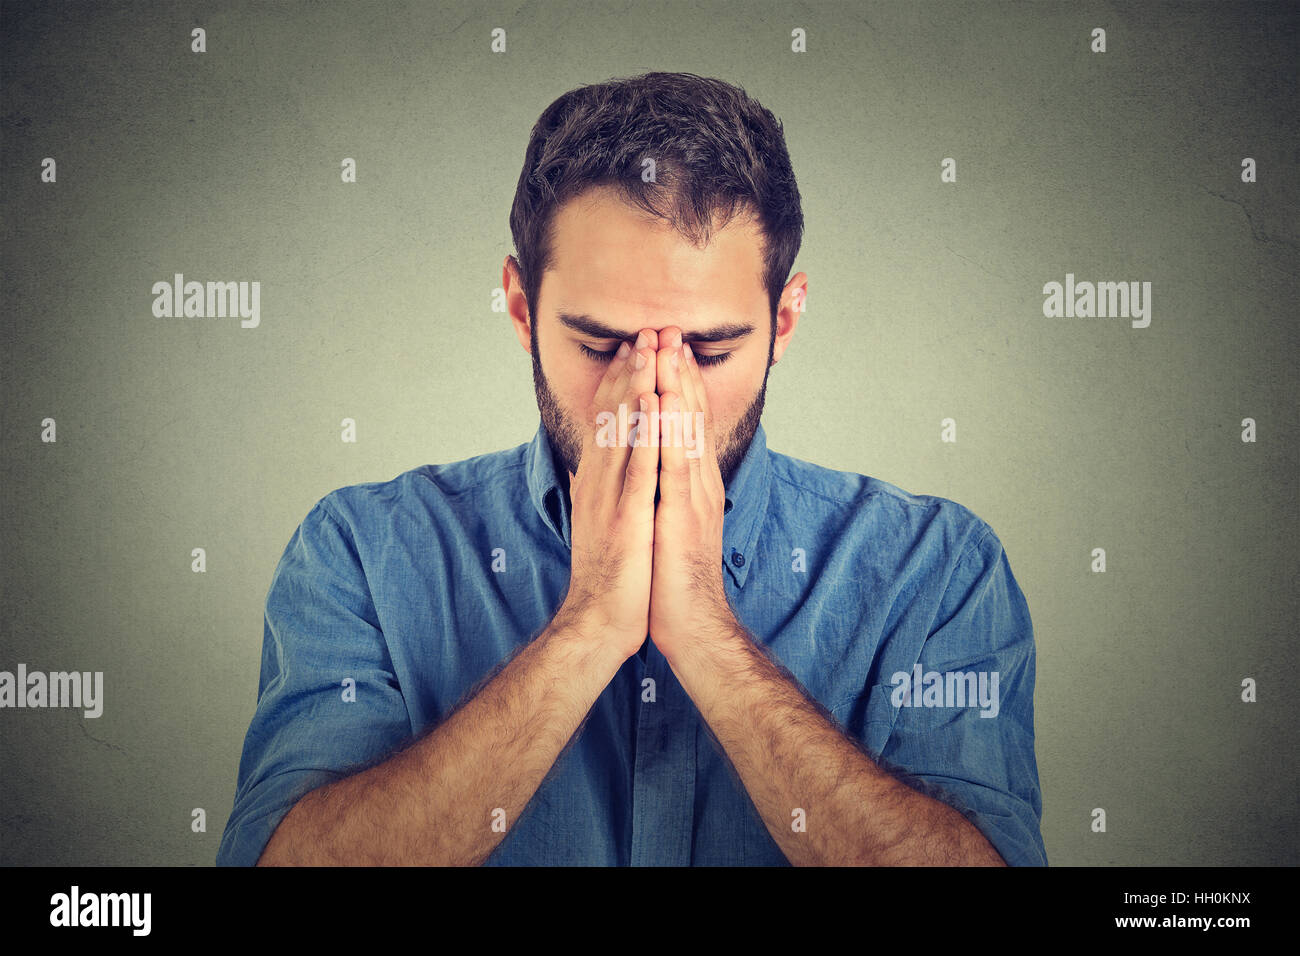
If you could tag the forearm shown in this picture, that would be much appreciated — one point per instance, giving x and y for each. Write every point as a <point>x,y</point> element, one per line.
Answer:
<point>790,756</point>
<point>435,802</point>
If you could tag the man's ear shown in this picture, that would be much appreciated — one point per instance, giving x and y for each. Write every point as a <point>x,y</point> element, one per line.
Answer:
<point>516,303</point>
<point>788,311</point>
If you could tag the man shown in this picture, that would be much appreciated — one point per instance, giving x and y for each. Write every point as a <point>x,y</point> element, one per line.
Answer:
<point>644,638</point>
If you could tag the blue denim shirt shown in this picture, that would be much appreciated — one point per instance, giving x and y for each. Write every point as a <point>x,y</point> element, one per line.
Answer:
<point>419,587</point>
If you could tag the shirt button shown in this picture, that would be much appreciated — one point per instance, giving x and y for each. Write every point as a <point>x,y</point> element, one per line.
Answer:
<point>737,559</point>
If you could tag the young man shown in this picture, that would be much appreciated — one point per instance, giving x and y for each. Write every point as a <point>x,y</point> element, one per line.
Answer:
<point>644,638</point>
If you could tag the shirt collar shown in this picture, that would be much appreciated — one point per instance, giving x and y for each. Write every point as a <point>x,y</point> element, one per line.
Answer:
<point>550,497</point>
<point>746,506</point>
<point>746,500</point>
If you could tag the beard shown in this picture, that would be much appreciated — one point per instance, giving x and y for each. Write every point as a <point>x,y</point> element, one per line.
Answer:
<point>566,435</point>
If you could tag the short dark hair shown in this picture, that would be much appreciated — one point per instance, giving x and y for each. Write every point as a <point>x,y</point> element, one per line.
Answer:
<point>717,152</point>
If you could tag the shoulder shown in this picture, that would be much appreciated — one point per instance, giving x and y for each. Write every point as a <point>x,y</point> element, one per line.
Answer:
<point>427,492</point>
<point>871,506</point>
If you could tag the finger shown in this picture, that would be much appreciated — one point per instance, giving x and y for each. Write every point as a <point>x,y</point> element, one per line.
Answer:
<point>614,382</point>
<point>640,380</point>
<point>606,456</point>
<point>637,378</point>
<point>690,372</point>
<point>592,451</point>
<point>670,377</point>
<point>689,435</point>
<point>673,367</point>
<point>674,470</point>
<point>671,419</point>
<point>643,465</point>
<point>644,366</point>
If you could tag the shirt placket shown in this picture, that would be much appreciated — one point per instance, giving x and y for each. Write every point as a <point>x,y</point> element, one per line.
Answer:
<point>663,778</point>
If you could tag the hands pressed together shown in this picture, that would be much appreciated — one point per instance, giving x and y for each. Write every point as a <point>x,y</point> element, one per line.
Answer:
<point>639,567</point>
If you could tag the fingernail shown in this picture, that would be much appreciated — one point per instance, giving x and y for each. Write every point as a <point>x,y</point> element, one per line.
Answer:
<point>690,356</point>
<point>641,340</point>
<point>673,359</point>
<point>677,339</point>
<point>640,361</point>
<point>645,406</point>
<point>623,350</point>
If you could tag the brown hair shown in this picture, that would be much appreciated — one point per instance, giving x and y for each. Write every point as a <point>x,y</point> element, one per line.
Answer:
<point>717,152</point>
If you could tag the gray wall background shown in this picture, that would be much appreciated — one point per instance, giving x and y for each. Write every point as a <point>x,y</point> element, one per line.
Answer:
<point>925,303</point>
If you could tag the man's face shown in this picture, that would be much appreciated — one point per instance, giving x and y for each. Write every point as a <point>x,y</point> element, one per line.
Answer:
<point>615,272</point>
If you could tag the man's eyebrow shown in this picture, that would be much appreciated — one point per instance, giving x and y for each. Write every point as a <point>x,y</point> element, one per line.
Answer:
<point>580,322</point>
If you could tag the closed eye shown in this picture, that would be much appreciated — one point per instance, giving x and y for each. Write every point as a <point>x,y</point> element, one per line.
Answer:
<point>599,356</point>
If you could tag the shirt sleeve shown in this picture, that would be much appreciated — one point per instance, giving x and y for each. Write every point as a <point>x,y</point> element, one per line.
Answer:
<point>979,753</point>
<point>328,703</point>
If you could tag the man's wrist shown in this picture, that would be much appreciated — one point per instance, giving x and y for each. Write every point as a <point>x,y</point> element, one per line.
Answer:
<point>721,633</point>
<point>581,637</point>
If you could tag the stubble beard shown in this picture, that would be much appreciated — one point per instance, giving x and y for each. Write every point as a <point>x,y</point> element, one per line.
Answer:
<point>565,435</point>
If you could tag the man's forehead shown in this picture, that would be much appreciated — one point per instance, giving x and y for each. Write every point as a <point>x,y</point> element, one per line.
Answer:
<point>602,248</point>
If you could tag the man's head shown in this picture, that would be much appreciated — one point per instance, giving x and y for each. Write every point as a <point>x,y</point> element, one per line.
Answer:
<point>663,200</point>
